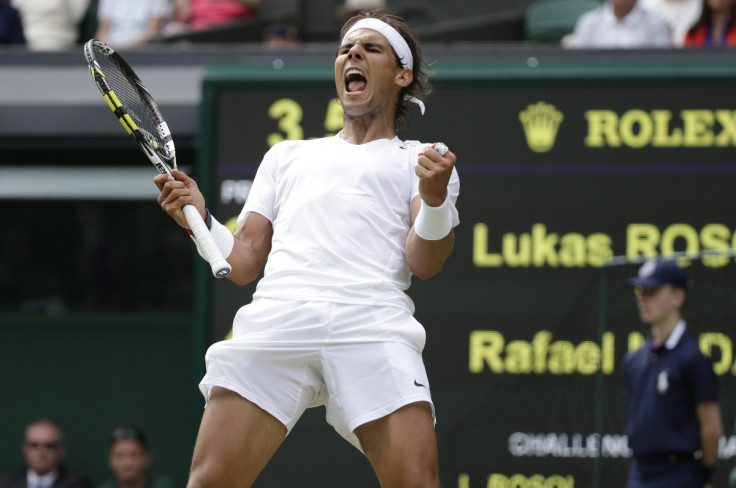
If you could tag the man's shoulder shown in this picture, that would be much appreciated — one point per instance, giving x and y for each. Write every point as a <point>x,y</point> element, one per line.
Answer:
<point>594,16</point>
<point>636,354</point>
<point>688,346</point>
<point>14,480</point>
<point>587,27</point>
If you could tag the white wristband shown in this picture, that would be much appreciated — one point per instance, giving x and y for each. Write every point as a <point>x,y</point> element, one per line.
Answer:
<point>222,236</point>
<point>433,223</point>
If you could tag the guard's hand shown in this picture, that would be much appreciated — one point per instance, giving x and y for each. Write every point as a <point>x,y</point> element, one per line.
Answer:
<point>176,192</point>
<point>434,171</point>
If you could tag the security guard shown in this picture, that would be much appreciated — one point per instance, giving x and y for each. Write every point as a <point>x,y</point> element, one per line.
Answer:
<point>675,420</point>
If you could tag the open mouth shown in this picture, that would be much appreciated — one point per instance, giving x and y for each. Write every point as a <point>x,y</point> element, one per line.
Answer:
<point>355,81</point>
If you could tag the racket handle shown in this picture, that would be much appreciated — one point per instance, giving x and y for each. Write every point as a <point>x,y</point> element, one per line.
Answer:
<point>205,242</point>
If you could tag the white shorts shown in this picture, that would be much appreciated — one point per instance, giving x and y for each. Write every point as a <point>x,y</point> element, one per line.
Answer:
<point>362,362</point>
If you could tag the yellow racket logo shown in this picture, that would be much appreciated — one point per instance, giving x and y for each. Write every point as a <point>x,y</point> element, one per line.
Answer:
<point>112,101</point>
<point>125,120</point>
<point>128,123</point>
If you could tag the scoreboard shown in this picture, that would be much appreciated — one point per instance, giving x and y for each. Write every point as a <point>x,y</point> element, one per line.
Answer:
<point>564,163</point>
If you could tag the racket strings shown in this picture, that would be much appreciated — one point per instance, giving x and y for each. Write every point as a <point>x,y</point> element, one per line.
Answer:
<point>135,101</point>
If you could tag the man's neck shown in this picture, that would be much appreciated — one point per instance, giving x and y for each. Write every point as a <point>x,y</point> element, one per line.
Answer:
<point>367,128</point>
<point>50,472</point>
<point>620,12</point>
<point>663,328</point>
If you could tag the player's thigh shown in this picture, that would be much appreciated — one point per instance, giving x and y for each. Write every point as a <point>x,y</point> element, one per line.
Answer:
<point>235,441</point>
<point>402,447</point>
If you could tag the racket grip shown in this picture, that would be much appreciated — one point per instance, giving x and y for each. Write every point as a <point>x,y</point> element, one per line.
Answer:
<point>205,242</point>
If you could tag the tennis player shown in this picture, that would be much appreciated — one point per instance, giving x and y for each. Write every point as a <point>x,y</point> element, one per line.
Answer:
<point>340,224</point>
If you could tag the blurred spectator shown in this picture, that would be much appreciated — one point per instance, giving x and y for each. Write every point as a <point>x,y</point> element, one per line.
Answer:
<point>193,15</point>
<point>679,14</point>
<point>716,26</point>
<point>619,24</point>
<point>280,34</point>
<point>43,449</point>
<point>130,459</point>
<point>129,23</point>
<point>11,27</point>
<point>51,25</point>
<point>352,7</point>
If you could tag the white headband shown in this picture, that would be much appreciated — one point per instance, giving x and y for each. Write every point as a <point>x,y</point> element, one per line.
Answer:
<point>401,48</point>
<point>398,43</point>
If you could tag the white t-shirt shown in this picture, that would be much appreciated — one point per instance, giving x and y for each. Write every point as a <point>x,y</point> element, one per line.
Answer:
<point>600,28</point>
<point>680,14</point>
<point>129,18</point>
<point>46,480</point>
<point>341,215</point>
<point>51,25</point>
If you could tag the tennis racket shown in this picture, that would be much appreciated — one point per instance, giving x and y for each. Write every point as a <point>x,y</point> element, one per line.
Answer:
<point>138,113</point>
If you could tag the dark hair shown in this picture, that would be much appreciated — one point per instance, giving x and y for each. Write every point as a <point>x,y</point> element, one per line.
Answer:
<point>420,86</point>
<point>129,432</point>
<point>706,17</point>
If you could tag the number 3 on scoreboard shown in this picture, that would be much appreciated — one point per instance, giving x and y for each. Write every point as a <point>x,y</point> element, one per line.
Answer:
<point>289,115</point>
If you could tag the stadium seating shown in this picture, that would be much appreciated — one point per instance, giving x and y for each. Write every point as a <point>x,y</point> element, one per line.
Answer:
<point>548,21</point>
